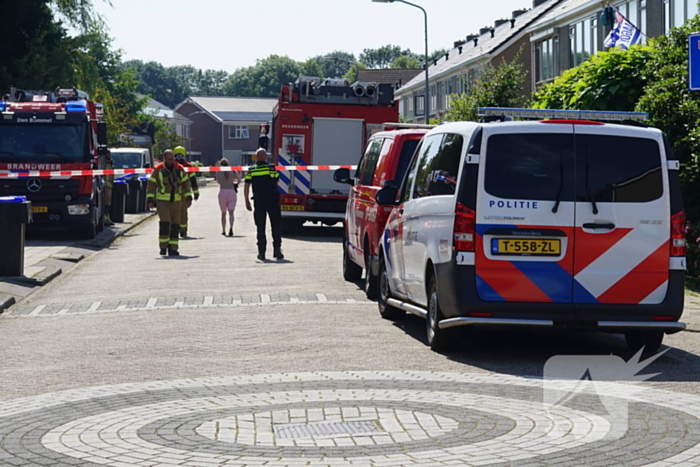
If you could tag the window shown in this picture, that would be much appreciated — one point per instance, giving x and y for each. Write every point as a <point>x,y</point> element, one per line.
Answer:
<point>529,166</point>
<point>433,99</point>
<point>618,169</point>
<point>642,25</point>
<point>583,38</point>
<point>419,104</point>
<point>237,132</point>
<point>407,151</point>
<point>547,59</point>
<point>410,175</point>
<point>438,166</point>
<point>677,12</point>
<point>368,163</point>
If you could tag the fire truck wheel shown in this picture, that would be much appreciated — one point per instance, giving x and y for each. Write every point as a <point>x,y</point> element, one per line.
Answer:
<point>351,271</point>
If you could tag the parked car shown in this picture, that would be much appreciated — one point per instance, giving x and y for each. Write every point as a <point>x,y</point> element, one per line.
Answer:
<point>384,163</point>
<point>552,223</point>
<point>132,158</point>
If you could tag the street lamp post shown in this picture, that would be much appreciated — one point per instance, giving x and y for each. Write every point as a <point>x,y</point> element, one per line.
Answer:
<point>427,83</point>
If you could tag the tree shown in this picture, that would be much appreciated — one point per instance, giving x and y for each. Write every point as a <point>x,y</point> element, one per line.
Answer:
<point>337,68</point>
<point>312,67</point>
<point>612,80</point>
<point>383,56</point>
<point>34,47</point>
<point>498,85</point>
<point>263,79</point>
<point>158,82</point>
<point>353,72</point>
<point>79,13</point>
<point>406,61</point>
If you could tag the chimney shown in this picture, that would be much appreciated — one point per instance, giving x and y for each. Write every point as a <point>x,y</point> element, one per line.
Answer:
<point>483,31</point>
<point>460,49</point>
<point>458,43</point>
<point>517,13</point>
<point>471,37</point>
<point>447,57</point>
<point>536,3</point>
<point>476,41</point>
<point>498,22</point>
<point>512,23</point>
<point>493,32</point>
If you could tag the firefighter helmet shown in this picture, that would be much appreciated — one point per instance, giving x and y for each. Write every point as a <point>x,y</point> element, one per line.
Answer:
<point>180,152</point>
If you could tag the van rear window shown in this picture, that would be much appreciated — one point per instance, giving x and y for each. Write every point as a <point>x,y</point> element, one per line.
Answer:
<point>529,166</point>
<point>618,169</point>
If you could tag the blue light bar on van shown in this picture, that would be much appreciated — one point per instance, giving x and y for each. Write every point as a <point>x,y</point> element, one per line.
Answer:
<point>3,106</point>
<point>76,106</point>
<point>543,114</point>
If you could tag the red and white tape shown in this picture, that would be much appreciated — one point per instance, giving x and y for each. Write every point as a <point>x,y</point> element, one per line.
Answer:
<point>95,172</point>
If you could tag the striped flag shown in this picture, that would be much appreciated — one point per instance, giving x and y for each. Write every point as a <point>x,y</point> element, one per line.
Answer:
<point>624,34</point>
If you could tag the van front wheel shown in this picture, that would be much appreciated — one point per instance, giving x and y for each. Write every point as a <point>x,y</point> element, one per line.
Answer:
<point>650,340</point>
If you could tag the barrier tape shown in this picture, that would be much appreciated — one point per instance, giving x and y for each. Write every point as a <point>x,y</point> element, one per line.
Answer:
<point>94,172</point>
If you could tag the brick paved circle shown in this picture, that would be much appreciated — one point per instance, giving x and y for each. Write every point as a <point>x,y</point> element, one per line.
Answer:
<point>349,418</point>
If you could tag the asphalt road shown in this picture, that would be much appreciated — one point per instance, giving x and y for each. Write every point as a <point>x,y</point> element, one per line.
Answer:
<point>216,358</point>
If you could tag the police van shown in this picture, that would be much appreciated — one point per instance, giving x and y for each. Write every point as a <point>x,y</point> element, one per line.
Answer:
<point>564,221</point>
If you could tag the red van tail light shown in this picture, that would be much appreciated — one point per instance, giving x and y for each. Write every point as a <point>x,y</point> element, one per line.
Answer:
<point>464,228</point>
<point>678,234</point>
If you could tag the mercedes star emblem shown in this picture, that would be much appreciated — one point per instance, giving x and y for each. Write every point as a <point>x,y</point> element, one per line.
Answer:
<point>34,184</point>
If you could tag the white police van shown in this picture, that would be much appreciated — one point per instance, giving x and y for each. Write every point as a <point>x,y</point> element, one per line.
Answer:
<point>566,221</point>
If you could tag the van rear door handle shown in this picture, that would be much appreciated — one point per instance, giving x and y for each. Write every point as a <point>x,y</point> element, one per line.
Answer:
<point>599,225</point>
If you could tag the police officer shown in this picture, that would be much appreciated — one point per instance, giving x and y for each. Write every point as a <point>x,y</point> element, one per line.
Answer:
<point>180,154</point>
<point>168,188</point>
<point>263,177</point>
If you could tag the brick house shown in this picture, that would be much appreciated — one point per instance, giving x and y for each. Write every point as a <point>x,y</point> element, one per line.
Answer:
<point>572,31</point>
<point>453,72</point>
<point>225,127</point>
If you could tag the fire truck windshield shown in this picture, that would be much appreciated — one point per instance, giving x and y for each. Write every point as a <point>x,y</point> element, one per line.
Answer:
<point>127,160</point>
<point>43,143</point>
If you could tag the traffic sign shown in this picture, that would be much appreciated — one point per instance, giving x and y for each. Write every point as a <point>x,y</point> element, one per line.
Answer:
<point>694,61</point>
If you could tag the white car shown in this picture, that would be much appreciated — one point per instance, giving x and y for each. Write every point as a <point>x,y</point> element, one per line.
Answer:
<point>560,222</point>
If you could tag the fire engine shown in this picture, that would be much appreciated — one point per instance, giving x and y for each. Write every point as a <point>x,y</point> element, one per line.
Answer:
<point>54,131</point>
<point>323,122</point>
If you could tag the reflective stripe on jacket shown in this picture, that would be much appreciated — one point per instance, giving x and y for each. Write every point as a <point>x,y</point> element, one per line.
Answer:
<point>168,185</point>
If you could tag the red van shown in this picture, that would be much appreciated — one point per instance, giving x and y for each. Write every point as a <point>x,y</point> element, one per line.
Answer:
<point>383,164</point>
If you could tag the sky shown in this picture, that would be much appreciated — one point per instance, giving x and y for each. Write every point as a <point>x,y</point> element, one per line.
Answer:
<point>232,34</point>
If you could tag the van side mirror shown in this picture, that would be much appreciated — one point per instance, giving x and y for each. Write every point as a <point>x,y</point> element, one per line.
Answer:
<point>342,176</point>
<point>387,196</point>
<point>102,134</point>
<point>147,165</point>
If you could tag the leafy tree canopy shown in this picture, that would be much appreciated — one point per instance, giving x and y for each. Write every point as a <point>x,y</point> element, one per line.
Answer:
<point>262,79</point>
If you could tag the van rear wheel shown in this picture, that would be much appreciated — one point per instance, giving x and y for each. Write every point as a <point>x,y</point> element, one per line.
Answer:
<point>438,339</point>
<point>370,279</point>
<point>351,271</point>
<point>650,340</point>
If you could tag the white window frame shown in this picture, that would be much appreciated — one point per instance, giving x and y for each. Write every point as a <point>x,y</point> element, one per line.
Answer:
<point>238,132</point>
<point>547,49</point>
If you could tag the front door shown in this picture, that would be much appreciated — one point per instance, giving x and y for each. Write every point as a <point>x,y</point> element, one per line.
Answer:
<point>525,215</point>
<point>622,217</point>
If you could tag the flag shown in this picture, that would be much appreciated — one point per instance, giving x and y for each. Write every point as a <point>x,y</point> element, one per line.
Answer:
<point>623,34</point>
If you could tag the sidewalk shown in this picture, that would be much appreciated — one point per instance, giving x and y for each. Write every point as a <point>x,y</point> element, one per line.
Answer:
<point>47,255</point>
<point>691,312</point>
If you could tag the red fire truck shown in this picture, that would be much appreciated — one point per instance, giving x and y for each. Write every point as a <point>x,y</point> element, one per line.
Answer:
<point>323,122</point>
<point>54,131</point>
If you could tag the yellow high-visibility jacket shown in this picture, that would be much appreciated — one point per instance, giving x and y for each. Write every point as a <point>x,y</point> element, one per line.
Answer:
<point>168,185</point>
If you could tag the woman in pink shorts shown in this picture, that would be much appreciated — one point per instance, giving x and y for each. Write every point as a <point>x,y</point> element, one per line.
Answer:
<point>228,188</point>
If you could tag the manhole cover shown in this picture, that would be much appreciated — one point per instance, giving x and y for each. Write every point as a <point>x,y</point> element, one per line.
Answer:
<point>326,429</point>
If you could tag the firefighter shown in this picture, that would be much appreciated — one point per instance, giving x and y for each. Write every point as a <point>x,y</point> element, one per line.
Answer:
<point>109,183</point>
<point>180,155</point>
<point>264,177</point>
<point>168,189</point>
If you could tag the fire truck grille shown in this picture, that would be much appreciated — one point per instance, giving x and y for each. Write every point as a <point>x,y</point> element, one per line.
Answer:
<point>330,205</point>
<point>50,190</point>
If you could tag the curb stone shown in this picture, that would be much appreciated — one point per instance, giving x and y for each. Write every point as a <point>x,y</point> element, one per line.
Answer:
<point>6,301</point>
